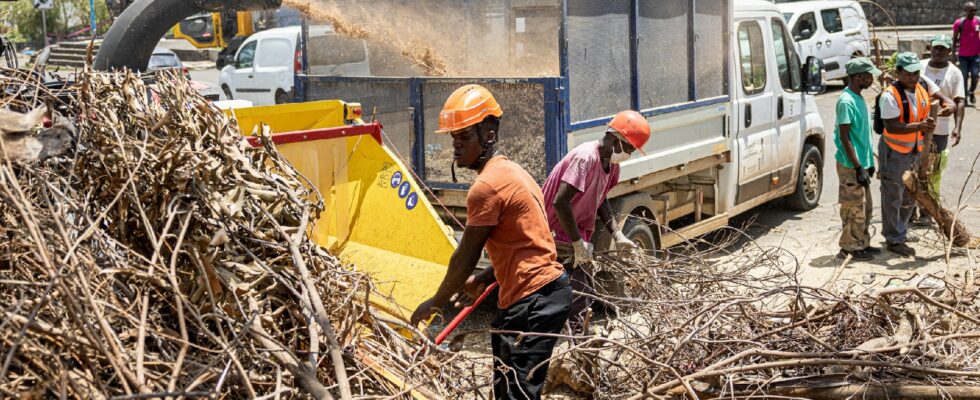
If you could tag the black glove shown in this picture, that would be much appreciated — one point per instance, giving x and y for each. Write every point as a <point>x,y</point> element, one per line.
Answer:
<point>862,177</point>
<point>871,172</point>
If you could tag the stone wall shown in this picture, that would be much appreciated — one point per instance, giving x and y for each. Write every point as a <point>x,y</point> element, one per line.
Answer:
<point>912,12</point>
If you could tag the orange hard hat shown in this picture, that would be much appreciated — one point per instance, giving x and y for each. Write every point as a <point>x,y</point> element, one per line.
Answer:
<point>633,127</point>
<point>467,106</point>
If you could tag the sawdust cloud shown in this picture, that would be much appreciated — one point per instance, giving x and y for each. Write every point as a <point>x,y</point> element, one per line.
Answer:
<point>442,39</point>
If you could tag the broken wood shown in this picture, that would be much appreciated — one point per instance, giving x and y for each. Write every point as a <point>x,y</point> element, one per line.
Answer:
<point>917,183</point>
<point>865,392</point>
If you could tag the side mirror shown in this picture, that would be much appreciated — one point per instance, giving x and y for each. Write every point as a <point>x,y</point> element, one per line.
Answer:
<point>813,76</point>
<point>805,34</point>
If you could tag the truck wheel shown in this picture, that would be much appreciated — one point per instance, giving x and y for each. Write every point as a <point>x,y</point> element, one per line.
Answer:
<point>281,97</point>
<point>809,185</point>
<point>639,231</point>
<point>224,88</point>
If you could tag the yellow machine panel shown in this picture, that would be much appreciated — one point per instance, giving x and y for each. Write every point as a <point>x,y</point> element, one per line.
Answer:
<point>377,217</point>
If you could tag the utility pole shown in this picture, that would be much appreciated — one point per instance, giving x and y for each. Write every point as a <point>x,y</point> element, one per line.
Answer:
<point>44,6</point>
<point>44,26</point>
<point>91,14</point>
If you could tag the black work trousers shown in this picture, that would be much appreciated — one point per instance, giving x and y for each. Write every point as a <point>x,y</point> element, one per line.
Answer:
<point>520,365</point>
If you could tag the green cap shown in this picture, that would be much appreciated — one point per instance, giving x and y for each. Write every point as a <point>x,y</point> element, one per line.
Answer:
<point>944,40</point>
<point>861,65</point>
<point>908,61</point>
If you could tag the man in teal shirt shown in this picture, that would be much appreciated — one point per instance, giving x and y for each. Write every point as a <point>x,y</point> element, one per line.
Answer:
<point>855,161</point>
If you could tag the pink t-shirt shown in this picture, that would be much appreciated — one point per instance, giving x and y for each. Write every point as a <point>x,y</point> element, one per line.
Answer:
<point>582,169</point>
<point>969,36</point>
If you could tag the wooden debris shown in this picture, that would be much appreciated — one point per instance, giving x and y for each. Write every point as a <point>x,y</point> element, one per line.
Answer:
<point>164,257</point>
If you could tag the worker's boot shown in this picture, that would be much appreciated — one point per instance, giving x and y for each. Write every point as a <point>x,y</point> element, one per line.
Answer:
<point>901,249</point>
<point>857,255</point>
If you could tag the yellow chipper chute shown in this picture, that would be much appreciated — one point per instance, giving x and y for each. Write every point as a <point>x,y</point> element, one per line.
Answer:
<point>376,215</point>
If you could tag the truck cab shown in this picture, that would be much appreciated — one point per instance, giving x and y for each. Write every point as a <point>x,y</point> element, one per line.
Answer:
<point>779,134</point>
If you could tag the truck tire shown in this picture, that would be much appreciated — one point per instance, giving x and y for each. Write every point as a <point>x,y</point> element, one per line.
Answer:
<point>639,231</point>
<point>228,95</point>
<point>281,97</point>
<point>809,185</point>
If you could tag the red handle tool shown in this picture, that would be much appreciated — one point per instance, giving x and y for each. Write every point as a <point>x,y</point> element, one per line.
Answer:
<point>463,314</point>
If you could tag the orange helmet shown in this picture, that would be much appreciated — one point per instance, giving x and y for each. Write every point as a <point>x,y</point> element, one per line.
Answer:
<point>633,126</point>
<point>467,106</point>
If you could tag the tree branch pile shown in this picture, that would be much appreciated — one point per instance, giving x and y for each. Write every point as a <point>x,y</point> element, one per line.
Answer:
<point>162,256</point>
<point>745,327</point>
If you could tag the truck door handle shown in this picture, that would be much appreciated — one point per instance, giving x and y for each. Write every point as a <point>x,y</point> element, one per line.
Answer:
<point>819,44</point>
<point>250,76</point>
<point>780,108</point>
<point>828,42</point>
<point>748,115</point>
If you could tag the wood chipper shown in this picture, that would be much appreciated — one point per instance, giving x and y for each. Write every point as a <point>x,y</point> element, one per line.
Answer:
<point>376,216</point>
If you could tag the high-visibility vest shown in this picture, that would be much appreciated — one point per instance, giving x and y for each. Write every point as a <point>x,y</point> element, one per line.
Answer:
<point>906,142</point>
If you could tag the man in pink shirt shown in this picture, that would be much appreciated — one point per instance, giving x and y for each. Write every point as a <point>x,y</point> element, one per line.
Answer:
<point>966,34</point>
<point>575,193</point>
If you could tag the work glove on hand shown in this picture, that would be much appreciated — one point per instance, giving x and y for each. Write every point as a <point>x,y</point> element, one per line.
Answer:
<point>583,252</point>
<point>621,242</point>
<point>871,172</point>
<point>862,177</point>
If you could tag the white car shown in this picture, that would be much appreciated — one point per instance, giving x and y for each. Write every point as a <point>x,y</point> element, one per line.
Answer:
<point>265,65</point>
<point>834,31</point>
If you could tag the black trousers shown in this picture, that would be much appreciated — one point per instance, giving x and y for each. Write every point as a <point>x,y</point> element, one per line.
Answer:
<point>544,311</point>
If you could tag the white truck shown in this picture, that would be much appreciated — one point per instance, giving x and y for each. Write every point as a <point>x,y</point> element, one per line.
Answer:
<point>721,83</point>
<point>834,31</point>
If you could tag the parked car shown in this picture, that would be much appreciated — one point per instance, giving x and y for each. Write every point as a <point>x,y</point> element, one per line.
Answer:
<point>163,58</point>
<point>834,31</point>
<point>265,64</point>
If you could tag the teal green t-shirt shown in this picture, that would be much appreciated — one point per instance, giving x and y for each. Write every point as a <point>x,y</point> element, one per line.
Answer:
<point>852,110</point>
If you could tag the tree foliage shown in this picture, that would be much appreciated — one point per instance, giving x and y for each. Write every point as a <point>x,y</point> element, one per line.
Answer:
<point>24,22</point>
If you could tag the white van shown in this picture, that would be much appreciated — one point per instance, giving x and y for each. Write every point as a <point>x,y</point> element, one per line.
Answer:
<point>265,65</point>
<point>834,31</point>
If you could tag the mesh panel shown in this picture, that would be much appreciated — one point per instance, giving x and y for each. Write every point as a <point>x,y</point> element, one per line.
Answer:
<point>598,58</point>
<point>521,130</point>
<point>709,48</point>
<point>663,53</point>
<point>391,101</point>
<point>486,38</point>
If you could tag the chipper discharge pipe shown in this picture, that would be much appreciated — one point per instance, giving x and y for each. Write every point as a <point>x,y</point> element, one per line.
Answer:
<point>132,37</point>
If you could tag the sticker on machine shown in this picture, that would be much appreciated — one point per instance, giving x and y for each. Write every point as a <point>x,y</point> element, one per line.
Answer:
<point>412,201</point>
<point>404,190</point>
<point>396,179</point>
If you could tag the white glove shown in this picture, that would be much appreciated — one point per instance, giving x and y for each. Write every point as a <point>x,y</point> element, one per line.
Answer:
<point>621,242</point>
<point>583,252</point>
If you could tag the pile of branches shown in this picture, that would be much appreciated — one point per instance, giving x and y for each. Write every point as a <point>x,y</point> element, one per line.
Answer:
<point>743,326</point>
<point>158,255</point>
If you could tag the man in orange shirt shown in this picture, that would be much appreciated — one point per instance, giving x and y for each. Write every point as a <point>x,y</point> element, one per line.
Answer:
<point>505,214</point>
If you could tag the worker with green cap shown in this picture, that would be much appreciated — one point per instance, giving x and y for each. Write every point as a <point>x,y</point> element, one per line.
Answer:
<point>938,69</point>
<point>855,161</point>
<point>903,108</point>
